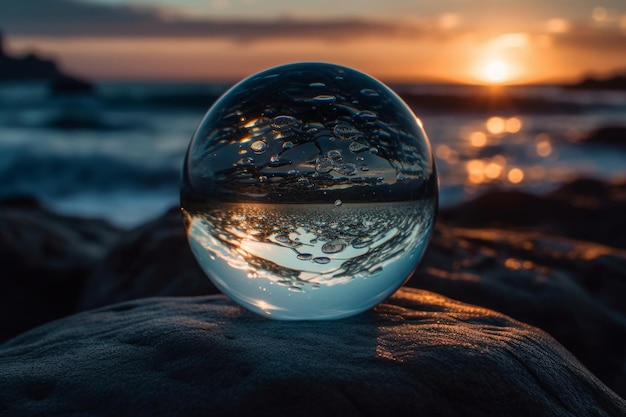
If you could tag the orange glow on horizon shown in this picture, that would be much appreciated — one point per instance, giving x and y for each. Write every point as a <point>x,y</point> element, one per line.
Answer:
<point>496,72</point>
<point>461,57</point>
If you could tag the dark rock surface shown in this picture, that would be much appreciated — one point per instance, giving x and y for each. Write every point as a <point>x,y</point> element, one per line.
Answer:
<point>610,136</point>
<point>45,258</point>
<point>572,289</point>
<point>32,67</point>
<point>529,263</point>
<point>151,260</point>
<point>586,209</point>
<point>615,82</point>
<point>417,354</point>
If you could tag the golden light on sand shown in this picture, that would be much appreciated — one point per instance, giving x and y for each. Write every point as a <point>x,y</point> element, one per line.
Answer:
<point>515,175</point>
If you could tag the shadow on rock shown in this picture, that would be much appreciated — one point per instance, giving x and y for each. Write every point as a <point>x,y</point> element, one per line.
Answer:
<point>151,260</point>
<point>418,353</point>
<point>45,258</point>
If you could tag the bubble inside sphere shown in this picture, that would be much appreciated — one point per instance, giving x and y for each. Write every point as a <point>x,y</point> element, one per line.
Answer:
<point>309,191</point>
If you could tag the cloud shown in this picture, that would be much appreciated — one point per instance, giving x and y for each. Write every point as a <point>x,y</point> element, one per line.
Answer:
<point>71,18</point>
<point>589,37</point>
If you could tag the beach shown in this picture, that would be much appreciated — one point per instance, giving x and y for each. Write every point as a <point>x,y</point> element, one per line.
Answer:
<point>529,242</point>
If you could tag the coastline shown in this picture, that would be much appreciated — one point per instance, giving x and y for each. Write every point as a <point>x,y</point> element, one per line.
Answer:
<point>547,268</point>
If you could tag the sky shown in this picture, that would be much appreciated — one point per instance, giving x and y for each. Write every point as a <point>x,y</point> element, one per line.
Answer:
<point>467,41</point>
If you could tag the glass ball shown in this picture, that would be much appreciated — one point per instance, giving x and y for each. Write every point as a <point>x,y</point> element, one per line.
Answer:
<point>309,191</point>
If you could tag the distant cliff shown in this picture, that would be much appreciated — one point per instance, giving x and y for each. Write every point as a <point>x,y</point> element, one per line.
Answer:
<point>616,82</point>
<point>31,67</point>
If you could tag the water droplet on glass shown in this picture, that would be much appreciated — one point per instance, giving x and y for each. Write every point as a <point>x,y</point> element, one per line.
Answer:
<point>368,92</point>
<point>356,147</point>
<point>334,246</point>
<point>346,169</point>
<point>277,161</point>
<point>345,131</point>
<point>269,218</point>
<point>334,155</point>
<point>321,260</point>
<point>323,165</point>
<point>324,99</point>
<point>244,162</point>
<point>258,147</point>
<point>366,116</point>
<point>285,123</point>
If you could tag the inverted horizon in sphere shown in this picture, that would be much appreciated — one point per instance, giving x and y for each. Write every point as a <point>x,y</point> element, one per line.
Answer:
<point>318,145</point>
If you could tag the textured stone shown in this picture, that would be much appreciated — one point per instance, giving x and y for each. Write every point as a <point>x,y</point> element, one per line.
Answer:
<point>418,354</point>
<point>45,258</point>
<point>574,290</point>
<point>153,259</point>
<point>585,209</point>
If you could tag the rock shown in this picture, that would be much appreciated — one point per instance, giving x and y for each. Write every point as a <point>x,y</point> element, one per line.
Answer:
<point>571,289</point>
<point>32,67</point>
<point>614,136</point>
<point>418,354</point>
<point>70,85</point>
<point>151,260</point>
<point>585,209</point>
<point>614,82</point>
<point>45,258</point>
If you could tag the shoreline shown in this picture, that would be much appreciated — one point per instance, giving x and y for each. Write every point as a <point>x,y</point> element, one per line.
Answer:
<point>538,259</point>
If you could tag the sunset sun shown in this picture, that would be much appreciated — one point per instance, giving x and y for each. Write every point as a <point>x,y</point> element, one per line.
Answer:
<point>496,72</point>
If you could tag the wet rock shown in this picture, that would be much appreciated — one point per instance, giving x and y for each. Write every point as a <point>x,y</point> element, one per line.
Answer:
<point>151,260</point>
<point>420,353</point>
<point>571,289</point>
<point>614,136</point>
<point>584,209</point>
<point>45,258</point>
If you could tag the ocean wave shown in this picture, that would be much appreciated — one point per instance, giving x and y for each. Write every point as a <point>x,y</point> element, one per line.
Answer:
<point>61,175</point>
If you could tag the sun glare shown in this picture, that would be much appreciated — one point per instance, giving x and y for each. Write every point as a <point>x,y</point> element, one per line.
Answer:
<point>495,72</point>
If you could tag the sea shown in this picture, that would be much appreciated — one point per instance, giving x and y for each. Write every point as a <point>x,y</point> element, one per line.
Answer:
<point>116,153</point>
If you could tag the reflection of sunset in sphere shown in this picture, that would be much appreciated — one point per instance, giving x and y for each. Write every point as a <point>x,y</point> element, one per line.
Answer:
<point>309,192</point>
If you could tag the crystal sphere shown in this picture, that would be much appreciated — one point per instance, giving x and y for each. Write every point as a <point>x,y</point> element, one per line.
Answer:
<point>309,191</point>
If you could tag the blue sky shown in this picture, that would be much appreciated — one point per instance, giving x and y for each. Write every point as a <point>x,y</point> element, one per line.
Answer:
<point>450,40</point>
